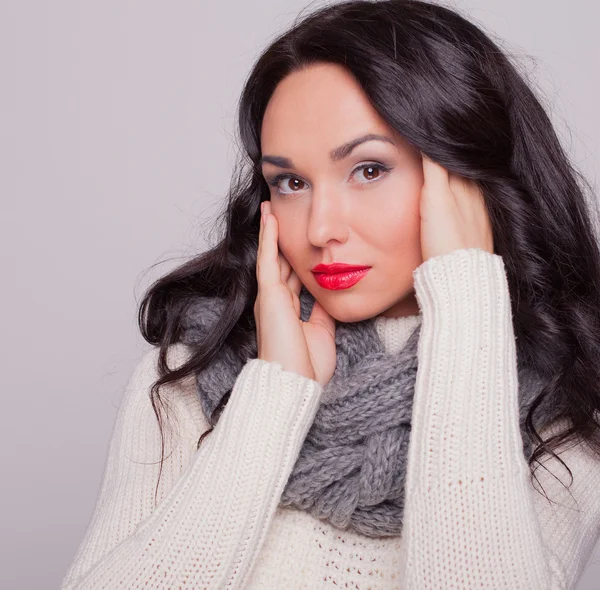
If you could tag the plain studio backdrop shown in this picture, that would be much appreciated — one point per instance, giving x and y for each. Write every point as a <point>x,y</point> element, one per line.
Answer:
<point>117,145</point>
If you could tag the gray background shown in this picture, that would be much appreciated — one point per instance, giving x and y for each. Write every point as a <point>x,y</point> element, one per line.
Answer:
<point>116,139</point>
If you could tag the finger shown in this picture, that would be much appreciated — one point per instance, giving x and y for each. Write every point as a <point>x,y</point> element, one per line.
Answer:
<point>468,196</point>
<point>294,282</point>
<point>259,249</point>
<point>436,179</point>
<point>295,285</point>
<point>461,186</point>
<point>269,260</point>
<point>261,239</point>
<point>434,174</point>
<point>258,275</point>
<point>284,266</point>
<point>319,316</point>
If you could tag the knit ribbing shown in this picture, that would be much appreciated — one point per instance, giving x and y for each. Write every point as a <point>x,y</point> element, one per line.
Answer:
<point>212,523</point>
<point>394,332</point>
<point>456,489</point>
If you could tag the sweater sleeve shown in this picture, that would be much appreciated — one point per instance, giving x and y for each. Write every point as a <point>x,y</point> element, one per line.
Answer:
<point>469,517</point>
<point>211,524</point>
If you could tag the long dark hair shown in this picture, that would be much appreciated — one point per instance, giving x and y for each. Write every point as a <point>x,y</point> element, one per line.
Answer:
<point>448,89</point>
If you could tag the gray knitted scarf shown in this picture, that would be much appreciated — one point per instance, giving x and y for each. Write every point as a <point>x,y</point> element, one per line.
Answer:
<point>352,465</point>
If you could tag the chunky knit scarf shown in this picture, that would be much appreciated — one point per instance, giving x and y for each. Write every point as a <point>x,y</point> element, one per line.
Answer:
<point>352,465</point>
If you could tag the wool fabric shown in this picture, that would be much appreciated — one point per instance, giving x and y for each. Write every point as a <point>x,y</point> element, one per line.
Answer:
<point>351,468</point>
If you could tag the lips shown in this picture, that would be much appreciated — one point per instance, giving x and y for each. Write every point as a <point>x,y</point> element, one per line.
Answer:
<point>339,276</point>
<point>338,267</point>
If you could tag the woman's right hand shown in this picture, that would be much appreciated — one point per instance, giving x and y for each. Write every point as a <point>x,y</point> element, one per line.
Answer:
<point>306,348</point>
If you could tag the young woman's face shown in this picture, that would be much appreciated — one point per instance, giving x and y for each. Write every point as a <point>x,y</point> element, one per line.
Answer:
<point>334,209</point>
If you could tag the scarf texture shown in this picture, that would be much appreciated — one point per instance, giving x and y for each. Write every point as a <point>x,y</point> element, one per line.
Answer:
<point>351,468</point>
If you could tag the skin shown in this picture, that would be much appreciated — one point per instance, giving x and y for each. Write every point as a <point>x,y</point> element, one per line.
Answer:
<point>327,211</point>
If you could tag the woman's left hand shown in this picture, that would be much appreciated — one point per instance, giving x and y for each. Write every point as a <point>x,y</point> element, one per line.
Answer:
<point>453,213</point>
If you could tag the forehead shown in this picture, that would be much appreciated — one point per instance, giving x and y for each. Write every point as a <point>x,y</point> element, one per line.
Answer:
<point>322,104</point>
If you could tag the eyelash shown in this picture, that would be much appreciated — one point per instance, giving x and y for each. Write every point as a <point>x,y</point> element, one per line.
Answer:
<point>381,167</point>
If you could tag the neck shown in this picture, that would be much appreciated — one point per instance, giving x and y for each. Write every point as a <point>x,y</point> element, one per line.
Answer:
<point>407,306</point>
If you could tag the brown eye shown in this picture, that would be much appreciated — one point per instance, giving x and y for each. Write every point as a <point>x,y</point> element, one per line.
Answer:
<point>371,172</point>
<point>294,185</point>
<point>281,183</point>
<point>368,173</point>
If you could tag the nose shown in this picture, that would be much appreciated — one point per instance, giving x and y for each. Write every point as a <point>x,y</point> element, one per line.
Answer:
<point>328,217</point>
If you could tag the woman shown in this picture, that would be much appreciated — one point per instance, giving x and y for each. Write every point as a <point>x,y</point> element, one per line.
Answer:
<point>378,425</point>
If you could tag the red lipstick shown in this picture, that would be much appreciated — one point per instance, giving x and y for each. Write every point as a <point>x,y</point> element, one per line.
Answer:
<point>339,275</point>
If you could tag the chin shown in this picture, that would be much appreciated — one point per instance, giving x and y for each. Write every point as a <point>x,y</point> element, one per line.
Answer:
<point>349,313</point>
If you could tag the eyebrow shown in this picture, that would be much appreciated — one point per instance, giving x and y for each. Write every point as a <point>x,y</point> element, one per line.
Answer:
<point>335,154</point>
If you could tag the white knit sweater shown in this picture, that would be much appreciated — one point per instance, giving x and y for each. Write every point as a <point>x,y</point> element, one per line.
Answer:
<point>472,518</point>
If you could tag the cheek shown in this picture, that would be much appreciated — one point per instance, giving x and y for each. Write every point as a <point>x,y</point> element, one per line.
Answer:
<point>398,220</point>
<point>398,237</point>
